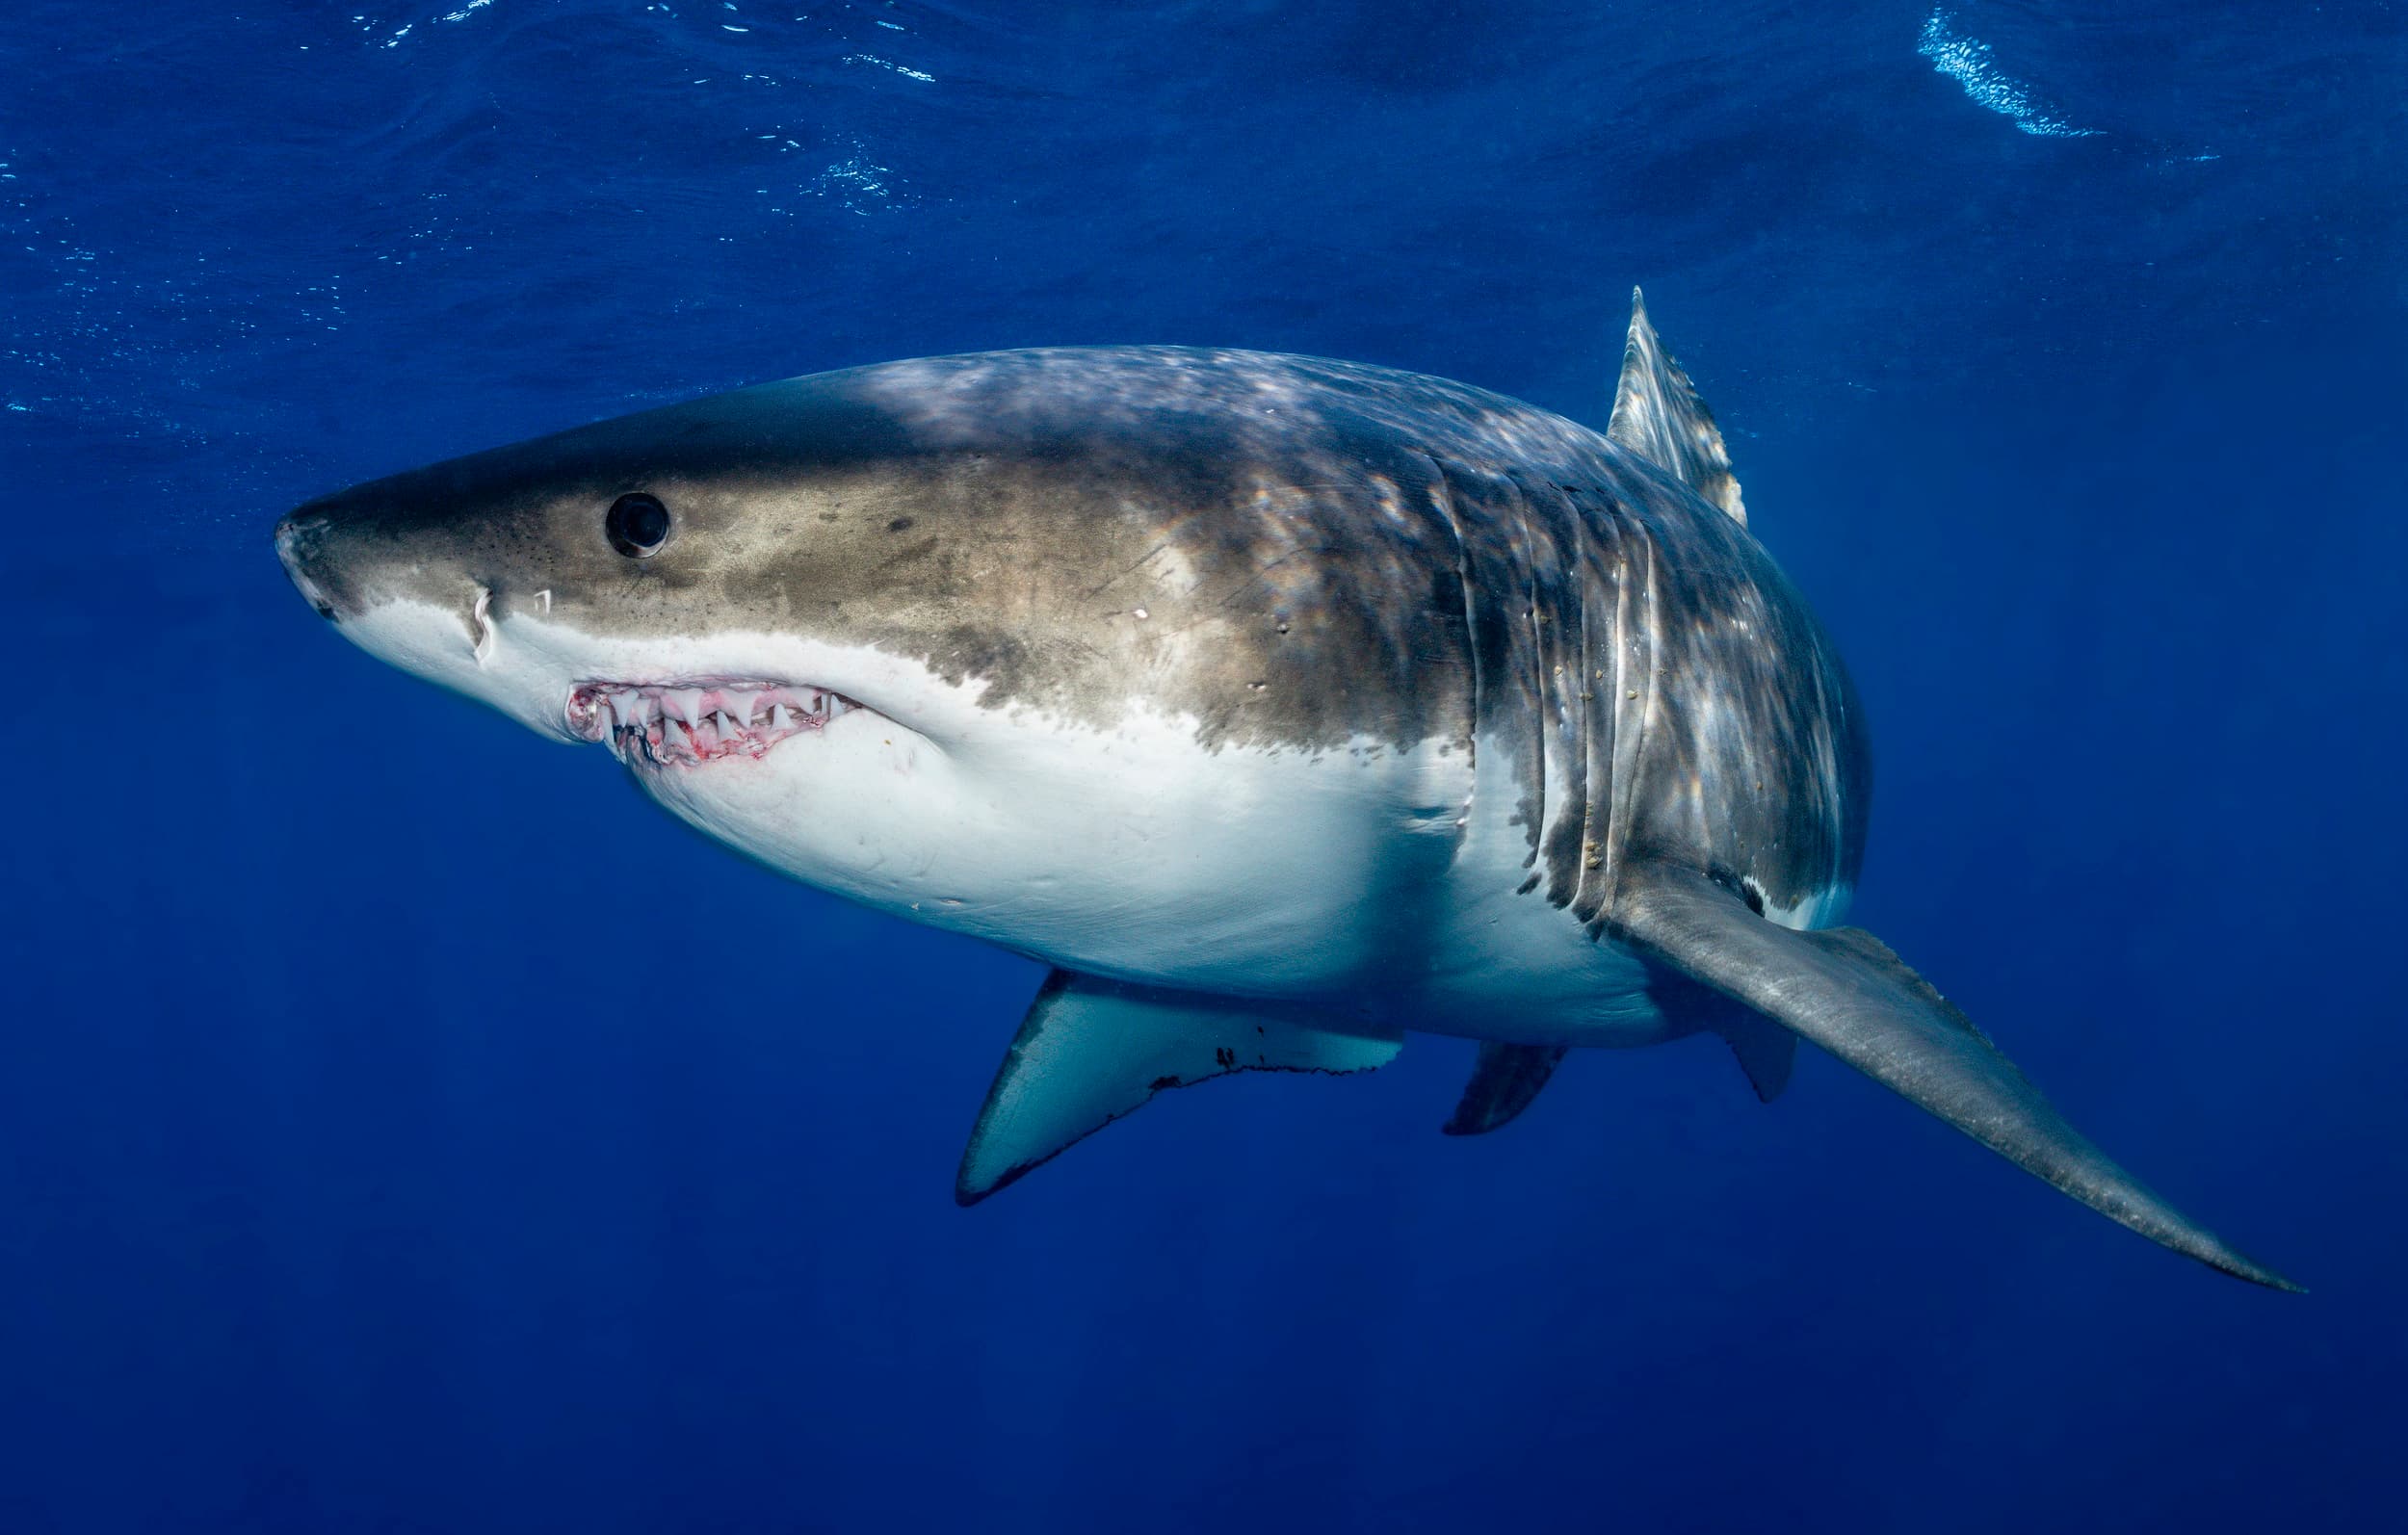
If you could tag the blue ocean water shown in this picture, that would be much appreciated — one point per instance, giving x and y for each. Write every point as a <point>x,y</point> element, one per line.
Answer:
<point>402,1127</point>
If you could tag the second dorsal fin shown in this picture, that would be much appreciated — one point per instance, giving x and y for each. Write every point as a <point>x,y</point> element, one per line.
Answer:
<point>1657,415</point>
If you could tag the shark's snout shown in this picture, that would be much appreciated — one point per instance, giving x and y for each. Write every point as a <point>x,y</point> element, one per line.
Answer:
<point>405,596</point>
<point>299,539</point>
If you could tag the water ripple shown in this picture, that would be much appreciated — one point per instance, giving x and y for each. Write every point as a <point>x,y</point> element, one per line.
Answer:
<point>1968,63</point>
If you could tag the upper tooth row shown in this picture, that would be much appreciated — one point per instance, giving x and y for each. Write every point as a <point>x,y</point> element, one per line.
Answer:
<point>739,709</point>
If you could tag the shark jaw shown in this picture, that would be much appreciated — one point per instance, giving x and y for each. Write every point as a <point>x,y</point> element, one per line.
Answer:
<point>682,725</point>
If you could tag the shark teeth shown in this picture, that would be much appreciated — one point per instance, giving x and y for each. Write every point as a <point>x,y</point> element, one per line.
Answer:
<point>684,725</point>
<point>630,711</point>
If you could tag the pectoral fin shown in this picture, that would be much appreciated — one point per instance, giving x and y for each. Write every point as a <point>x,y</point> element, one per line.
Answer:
<point>1091,1051</point>
<point>1845,991</point>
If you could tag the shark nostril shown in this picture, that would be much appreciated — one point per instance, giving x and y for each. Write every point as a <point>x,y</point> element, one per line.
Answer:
<point>300,530</point>
<point>289,537</point>
<point>297,539</point>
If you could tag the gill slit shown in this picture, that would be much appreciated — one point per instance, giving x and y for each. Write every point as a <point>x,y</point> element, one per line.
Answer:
<point>1636,639</point>
<point>1582,697</point>
<point>1827,775</point>
<point>1442,496</point>
<point>1542,728</point>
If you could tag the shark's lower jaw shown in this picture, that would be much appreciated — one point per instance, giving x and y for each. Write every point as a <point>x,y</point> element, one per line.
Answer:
<point>686,724</point>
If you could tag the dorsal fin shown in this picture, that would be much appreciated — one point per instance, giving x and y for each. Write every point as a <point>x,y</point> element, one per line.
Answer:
<point>1657,415</point>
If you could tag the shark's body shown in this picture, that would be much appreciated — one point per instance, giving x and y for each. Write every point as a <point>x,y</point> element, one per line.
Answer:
<point>1284,706</point>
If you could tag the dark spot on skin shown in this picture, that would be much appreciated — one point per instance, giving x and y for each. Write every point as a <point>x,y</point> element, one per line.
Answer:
<point>1161,1082</point>
<point>925,549</point>
<point>1224,1056</point>
<point>898,525</point>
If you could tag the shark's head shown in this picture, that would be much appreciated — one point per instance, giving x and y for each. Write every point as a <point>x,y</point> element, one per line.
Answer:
<point>692,586</point>
<point>880,629</point>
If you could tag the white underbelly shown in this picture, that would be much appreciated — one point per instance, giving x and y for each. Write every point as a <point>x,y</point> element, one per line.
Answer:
<point>1133,852</point>
<point>1363,878</point>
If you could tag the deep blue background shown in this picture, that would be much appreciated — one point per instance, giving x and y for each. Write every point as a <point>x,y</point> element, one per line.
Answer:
<point>402,1127</point>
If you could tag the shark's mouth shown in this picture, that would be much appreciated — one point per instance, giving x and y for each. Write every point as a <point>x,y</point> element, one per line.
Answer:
<point>685,724</point>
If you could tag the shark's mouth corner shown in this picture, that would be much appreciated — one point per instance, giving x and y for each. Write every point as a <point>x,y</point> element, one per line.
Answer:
<point>687,723</point>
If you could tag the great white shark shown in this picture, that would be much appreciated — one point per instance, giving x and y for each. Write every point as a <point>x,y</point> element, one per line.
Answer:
<point>1283,706</point>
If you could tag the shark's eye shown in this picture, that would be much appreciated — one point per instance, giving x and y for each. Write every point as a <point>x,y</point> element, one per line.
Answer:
<point>638,525</point>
